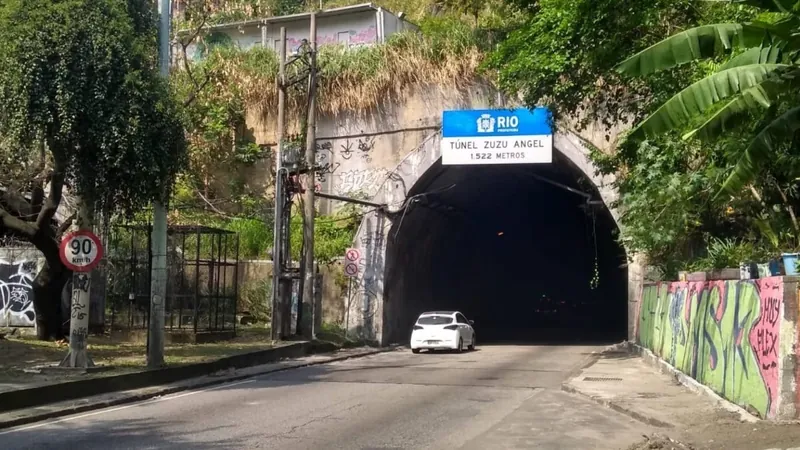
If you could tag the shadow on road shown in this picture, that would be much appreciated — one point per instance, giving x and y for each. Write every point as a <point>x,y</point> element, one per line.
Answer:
<point>127,433</point>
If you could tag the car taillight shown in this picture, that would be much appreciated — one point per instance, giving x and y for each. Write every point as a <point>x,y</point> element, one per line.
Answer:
<point>451,327</point>
<point>417,327</point>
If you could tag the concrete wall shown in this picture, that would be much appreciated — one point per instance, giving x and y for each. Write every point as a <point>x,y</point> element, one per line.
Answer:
<point>333,296</point>
<point>736,337</point>
<point>18,268</point>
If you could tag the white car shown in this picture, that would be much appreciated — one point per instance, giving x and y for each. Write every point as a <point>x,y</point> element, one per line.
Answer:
<point>442,330</point>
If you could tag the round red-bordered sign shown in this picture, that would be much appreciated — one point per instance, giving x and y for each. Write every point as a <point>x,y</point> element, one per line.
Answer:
<point>350,269</point>
<point>81,251</point>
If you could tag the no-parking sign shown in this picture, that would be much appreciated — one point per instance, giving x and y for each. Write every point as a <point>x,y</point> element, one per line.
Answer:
<point>81,251</point>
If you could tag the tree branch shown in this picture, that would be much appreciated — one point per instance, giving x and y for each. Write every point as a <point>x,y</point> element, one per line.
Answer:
<point>187,67</point>
<point>213,208</point>
<point>16,203</point>
<point>37,191</point>
<point>16,224</point>
<point>50,206</point>
<point>65,226</point>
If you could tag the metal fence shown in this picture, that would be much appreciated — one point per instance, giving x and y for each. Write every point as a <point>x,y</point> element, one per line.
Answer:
<point>202,284</point>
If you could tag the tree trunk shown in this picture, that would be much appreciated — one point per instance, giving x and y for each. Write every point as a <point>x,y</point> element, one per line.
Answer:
<point>47,289</point>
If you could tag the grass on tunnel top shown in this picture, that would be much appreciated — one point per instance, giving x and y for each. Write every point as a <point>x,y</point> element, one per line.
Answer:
<point>18,352</point>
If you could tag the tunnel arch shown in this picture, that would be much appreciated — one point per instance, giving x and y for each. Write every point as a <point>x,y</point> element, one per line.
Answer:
<point>439,210</point>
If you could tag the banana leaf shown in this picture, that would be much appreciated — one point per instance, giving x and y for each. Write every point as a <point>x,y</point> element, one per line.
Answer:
<point>764,145</point>
<point>693,101</point>
<point>696,43</point>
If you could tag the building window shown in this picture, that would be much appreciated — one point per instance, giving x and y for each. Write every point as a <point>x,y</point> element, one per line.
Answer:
<point>343,37</point>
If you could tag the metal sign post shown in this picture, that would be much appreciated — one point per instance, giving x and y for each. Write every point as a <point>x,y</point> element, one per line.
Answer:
<point>351,260</point>
<point>80,251</point>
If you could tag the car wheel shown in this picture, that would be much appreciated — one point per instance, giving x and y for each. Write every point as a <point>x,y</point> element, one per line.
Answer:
<point>414,350</point>
<point>472,344</point>
<point>460,345</point>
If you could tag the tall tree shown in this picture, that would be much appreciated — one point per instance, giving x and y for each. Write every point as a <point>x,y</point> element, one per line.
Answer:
<point>759,84</point>
<point>81,107</point>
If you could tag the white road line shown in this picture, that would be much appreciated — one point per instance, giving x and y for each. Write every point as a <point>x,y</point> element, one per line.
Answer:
<point>120,408</point>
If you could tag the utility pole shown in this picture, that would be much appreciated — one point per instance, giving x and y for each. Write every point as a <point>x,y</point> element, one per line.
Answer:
<point>158,278</point>
<point>278,254</point>
<point>78,357</point>
<point>308,195</point>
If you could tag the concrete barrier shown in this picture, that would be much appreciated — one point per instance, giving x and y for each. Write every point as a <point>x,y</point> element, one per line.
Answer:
<point>737,337</point>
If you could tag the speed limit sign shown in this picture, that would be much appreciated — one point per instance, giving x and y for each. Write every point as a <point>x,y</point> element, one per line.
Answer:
<point>81,251</point>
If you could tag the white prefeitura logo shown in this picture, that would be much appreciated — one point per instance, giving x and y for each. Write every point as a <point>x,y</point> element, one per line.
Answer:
<point>485,123</point>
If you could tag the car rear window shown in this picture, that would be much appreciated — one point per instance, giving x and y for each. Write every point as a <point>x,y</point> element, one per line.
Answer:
<point>435,320</point>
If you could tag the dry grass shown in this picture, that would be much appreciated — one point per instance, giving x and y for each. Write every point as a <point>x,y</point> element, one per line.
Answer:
<point>18,353</point>
<point>354,80</point>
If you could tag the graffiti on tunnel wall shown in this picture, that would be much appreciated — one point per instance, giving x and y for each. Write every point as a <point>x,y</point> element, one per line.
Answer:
<point>16,293</point>
<point>724,334</point>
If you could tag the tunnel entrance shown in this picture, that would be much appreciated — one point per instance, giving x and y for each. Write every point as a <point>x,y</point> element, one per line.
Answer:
<point>514,249</point>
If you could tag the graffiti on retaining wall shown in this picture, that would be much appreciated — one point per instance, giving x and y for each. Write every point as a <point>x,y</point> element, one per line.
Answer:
<point>360,180</point>
<point>725,334</point>
<point>16,293</point>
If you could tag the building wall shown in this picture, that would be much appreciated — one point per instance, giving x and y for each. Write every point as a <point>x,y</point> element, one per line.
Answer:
<point>254,272</point>
<point>736,337</point>
<point>353,29</point>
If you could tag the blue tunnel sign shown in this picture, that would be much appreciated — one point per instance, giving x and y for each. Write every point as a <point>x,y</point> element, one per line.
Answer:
<point>497,136</point>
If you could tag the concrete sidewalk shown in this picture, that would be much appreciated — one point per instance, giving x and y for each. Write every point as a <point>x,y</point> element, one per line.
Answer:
<point>623,382</point>
<point>34,414</point>
<point>626,383</point>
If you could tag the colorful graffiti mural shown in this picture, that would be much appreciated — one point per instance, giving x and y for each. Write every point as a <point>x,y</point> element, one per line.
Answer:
<point>724,334</point>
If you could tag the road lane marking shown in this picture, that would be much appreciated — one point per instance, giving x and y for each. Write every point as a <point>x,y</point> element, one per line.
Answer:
<point>120,408</point>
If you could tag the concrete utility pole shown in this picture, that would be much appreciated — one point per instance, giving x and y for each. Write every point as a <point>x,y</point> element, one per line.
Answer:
<point>158,286</point>
<point>78,357</point>
<point>278,254</point>
<point>308,197</point>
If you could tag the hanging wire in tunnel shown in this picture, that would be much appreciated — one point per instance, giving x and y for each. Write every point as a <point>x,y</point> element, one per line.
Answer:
<point>413,199</point>
<point>595,281</point>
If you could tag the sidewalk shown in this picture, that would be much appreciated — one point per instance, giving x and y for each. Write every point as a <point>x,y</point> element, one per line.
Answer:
<point>625,383</point>
<point>38,413</point>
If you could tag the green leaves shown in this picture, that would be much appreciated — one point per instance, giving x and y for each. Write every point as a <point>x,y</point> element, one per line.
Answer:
<point>761,148</point>
<point>756,97</point>
<point>697,98</point>
<point>80,76</point>
<point>696,43</point>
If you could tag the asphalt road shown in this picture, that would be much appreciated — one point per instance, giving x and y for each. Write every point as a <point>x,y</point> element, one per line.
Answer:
<point>498,397</point>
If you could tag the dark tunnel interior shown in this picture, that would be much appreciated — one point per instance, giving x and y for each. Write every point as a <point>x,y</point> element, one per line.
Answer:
<point>510,250</point>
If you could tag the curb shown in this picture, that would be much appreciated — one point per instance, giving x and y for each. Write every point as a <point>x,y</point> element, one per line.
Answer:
<point>566,387</point>
<point>132,398</point>
<point>690,383</point>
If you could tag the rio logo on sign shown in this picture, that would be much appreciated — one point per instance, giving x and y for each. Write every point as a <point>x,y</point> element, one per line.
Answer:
<point>497,136</point>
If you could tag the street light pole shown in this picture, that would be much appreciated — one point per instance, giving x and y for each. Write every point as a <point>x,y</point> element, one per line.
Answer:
<point>158,286</point>
<point>278,253</point>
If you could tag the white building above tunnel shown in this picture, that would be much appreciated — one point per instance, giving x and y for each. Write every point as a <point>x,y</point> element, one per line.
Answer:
<point>351,26</point>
